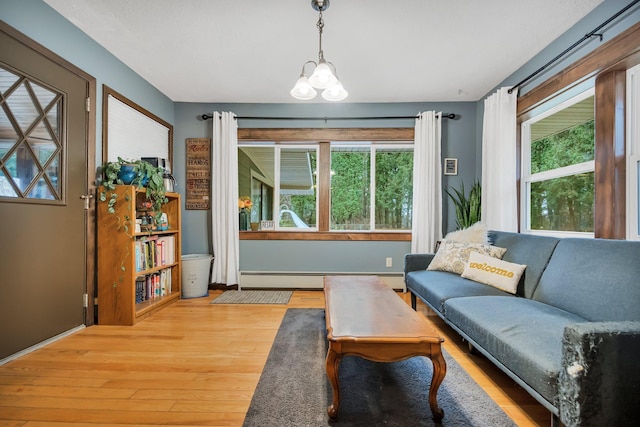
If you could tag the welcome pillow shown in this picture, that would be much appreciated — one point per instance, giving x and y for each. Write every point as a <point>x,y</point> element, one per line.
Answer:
<point>494,272</point>
<point>454,256</point>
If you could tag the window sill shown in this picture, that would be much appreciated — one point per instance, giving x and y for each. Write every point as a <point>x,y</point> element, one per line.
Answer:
<point>404,236</point>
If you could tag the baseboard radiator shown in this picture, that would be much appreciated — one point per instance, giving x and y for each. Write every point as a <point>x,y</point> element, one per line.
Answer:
<point>307,280</point>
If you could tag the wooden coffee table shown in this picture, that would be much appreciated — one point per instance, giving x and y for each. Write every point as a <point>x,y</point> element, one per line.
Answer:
<point>366,318</point>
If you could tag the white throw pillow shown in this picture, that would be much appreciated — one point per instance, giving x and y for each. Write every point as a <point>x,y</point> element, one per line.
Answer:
<point>453,256</point>
<point>494,272</point>
<point>476,233</point>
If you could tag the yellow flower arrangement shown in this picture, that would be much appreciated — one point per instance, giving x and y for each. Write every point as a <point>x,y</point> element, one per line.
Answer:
<point>244,202</point>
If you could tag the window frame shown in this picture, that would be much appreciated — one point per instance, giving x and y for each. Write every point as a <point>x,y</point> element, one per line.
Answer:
<point>527,178</point>
<point>373,147</point>
<point>323,136</point>
<point>136,121</point>
<point>276,188</point>
<point>633,151</point>
<point>606,65</point>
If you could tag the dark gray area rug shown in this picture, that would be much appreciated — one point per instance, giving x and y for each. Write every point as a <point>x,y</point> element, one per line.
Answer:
<point>294,390</point>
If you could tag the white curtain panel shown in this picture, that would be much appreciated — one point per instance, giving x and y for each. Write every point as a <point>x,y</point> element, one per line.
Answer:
<point>426,227</point>
<point>224,199</point>
<point>499,159</point>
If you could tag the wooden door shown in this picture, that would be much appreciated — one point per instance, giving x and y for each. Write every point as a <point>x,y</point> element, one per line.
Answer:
<point>45,161</point>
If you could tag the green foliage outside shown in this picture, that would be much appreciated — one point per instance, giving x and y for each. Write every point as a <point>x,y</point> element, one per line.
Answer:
<point>303,206</point>
<point>351,191</point>
<point>566,203</point>
<point>394,189</point>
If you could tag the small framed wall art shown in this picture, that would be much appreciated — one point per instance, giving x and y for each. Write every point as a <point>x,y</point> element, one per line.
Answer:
<point>450,166</point>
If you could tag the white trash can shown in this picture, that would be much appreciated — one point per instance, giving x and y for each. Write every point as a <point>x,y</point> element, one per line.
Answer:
<point>196,270</point>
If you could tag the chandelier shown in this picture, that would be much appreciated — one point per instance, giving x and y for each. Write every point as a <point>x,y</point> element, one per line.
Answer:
<point>324,74</point>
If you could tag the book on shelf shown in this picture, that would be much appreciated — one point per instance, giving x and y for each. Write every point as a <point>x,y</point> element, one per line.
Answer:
<point>154,251</point>
<point>168,249</point>
<point>153,285</point>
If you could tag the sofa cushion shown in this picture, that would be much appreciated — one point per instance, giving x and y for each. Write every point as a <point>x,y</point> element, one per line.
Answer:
<point>524,335</point>
<point>597,279</point>
<point>493,272</point>
<point>435,287</point>
<point>534,251</point>
<point>453,256</point>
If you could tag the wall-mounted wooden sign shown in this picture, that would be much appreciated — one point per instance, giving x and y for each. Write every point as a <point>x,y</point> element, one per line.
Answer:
<point>198,173</point>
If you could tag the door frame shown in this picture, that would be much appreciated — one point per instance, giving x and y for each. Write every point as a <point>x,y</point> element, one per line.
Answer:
<point>90,142</point>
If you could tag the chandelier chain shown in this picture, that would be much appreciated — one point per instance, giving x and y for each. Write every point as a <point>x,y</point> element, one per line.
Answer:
<point>320,25</point>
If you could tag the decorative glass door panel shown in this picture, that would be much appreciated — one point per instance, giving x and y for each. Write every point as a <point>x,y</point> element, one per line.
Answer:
<point>30,139</point>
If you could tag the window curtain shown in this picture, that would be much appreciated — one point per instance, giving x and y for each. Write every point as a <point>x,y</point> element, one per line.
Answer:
<point>426,227</point>
<point>499,159</point>
<point>224,199</point>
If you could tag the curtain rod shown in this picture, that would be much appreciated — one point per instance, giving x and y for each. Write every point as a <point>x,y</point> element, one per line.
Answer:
<point>589,35</point>
<point>444,116</point>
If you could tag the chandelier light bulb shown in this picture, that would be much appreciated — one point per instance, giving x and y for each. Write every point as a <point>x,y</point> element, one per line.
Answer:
<point>335,92</point>
<point>322,77</point>
<point>303,90</point>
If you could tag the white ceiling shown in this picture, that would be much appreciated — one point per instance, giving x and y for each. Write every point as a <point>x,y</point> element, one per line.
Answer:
<point>252,51</point>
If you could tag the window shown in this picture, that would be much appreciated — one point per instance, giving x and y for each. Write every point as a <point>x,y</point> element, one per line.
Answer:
<point>322,186</point>
<point>558,169</point>
<point>362,203</point>
<point>297,190</point>
<point>633,150</point>
<point>131,132</point>
<point>283,173</point>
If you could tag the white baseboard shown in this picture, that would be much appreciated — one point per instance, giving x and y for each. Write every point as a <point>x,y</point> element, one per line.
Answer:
<point>306,280</point>
<point>40,345</point>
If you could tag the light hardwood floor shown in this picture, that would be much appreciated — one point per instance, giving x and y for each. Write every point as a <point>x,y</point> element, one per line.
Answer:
<point>192,364</point>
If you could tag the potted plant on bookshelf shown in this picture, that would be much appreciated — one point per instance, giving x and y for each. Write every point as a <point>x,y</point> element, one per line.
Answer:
<point>133,172</point>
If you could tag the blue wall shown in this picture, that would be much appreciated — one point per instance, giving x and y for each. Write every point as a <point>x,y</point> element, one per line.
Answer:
<point>458,140</point>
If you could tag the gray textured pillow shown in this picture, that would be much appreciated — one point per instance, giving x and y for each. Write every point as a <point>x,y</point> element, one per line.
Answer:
<point>454,256</point>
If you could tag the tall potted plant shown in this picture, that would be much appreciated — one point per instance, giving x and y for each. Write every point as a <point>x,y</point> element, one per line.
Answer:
<point>468,208</point>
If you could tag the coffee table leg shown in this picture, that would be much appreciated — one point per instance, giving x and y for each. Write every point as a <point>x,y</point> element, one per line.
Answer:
<point>333,361</point>
<point>439,371</point>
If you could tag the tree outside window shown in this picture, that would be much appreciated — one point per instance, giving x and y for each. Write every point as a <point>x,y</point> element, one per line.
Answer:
<point>360,202</point>
<point>558,168</point>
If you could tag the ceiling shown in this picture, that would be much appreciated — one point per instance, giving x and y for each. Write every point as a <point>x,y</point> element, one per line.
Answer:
<point>250,51</point>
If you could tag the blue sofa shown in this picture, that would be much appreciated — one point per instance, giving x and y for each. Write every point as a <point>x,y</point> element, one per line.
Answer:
<point>570,335</point>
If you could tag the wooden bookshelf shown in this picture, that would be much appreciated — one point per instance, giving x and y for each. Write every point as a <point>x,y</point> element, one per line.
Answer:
<point>136,277</point>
